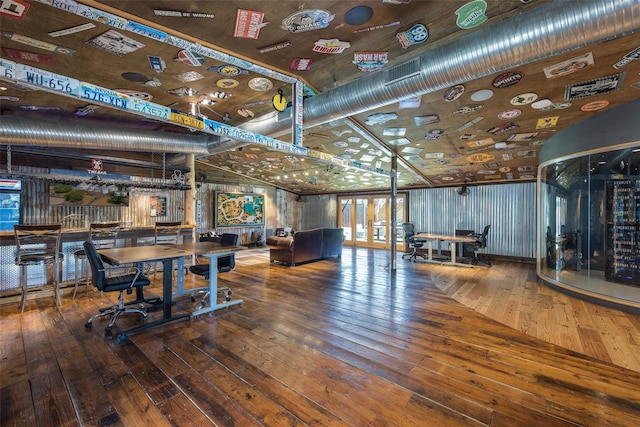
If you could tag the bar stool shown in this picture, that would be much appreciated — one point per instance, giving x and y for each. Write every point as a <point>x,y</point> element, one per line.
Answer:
<point>38,245</point>
<point>102,235</point>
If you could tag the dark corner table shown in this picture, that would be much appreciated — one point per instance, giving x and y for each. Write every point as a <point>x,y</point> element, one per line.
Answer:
<point>212,251</point>
<point>155,253</point>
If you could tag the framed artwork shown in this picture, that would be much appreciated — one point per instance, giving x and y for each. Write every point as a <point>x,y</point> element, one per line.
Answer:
<point>239,209</point>
<point>158,206</point>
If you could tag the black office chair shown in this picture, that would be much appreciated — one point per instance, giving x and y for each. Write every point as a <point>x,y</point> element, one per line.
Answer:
<point>119,284</point>
<point>225,263</point>
<point>409,232</point>
<point>480,243</point>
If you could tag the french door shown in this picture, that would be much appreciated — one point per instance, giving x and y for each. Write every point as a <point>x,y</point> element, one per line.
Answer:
<point>366,220</point>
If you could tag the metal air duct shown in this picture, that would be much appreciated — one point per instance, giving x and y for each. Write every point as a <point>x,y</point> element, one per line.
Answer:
<point>545,31</point>
<point>24,131</point>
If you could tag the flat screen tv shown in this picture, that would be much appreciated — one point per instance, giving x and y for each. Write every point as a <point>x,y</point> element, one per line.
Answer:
<point>10,190</point>
<point>239,210</point>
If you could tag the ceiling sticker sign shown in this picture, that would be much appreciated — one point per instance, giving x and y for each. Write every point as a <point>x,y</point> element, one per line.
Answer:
<point>300,64</point>
<point>414,35</point>
<point>471,14</point>
<point>547,122</point>
<point>569,66</point>
<point>190,58</point>
<point>370,61</point>
<point>631,56</point>
<point>114,42</point>
<point>593,87</point>
<point>330,47</point>
<point>180,14</point>
<point>248,24</point>
<point>307,20</point>
<point>38,43</point>
<point>14,8</point>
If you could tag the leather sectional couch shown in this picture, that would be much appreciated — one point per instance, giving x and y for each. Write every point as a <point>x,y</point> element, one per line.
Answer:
<point>306,245</point>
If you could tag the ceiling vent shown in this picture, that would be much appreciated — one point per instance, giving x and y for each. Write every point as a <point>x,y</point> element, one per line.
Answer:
<point>403,71</point>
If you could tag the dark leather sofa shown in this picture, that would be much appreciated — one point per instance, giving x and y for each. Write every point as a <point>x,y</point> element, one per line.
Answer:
<point>306,245</point>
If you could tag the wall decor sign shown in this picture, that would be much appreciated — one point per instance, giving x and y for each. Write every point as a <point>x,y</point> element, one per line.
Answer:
<point>156,63</point>
<point>72,30</point>
<point>23,55</point>
<point>239,210</point>
<point>569,66</point>
<point>370,61</point>
<point>507,79</point>
<point>380,118</point>
<point>228,70</point>
<point>190,58</point>
<point>179,14</point>
<point>376,27</point>
<point>412,102</point>
<point>116,43</point>
<point>634,55</point>
<point>509,114</point>
<point>506,127</point>
<point>593,87</point>
<point>524,98</point>
<point>189,76</point>
<point>471,14</point>
<point>37,43</point>
<point>434,134</point>
<point>547,122</point>
<point>274,47</point>
<point>307,20</point>
<point>414,35</point>
<point>426,120</point>
<point>182,91</point>
<point>594,106</point>
<point>14,8</point>
<point>467,109</point>
<point>248,24</point>
<point>300,64</point>
<point>482,95</point>
<point>453,93</point>
<point>330,46</point>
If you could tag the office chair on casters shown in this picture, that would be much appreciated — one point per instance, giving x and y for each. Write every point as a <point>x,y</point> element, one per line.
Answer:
<point>225,263</point>
<point>480,243</point>
<point>409,232</point>
<point>119,284</point>
<point>103,235</point>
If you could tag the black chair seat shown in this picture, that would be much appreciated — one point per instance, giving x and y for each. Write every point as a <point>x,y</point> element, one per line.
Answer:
<point>200,269</point>
<point>119,283</point>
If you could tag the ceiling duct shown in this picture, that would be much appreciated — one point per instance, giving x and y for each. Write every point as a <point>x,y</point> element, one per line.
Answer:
<point>403,71</point>
<point>548,30</point>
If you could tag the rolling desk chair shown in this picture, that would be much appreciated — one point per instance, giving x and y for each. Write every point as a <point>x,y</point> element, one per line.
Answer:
<point>409,232</point>
<point>225,263</point>
<point>38,245</point>
<point>480,243</point>
<point>103,235</point>
<point>119,284</point>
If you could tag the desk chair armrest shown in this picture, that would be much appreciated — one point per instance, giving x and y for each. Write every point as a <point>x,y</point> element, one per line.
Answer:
<point>129,269</point>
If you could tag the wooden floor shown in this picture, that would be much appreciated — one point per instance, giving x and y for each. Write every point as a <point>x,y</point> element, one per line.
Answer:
<point>335,342</point>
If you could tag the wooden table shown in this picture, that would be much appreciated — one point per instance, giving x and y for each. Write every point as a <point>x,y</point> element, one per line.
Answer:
<point>430,238</point>
<point>155,253</point>
<point>211,250</point>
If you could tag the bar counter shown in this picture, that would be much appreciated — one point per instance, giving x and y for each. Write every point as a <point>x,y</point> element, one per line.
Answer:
<point>72,239</point>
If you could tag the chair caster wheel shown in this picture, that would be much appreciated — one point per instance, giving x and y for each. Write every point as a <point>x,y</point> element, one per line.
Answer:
<point>193,299</point>
<point>144,318</point>
<point>108,332</point>
<point>88,325</point>
<point>203,304</point>
<point>122,338</point>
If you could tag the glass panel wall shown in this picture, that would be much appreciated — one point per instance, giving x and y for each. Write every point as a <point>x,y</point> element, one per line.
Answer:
<point>589,223</point>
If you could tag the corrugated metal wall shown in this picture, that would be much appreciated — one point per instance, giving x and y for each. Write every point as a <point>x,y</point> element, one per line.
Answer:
<point>509,208</point>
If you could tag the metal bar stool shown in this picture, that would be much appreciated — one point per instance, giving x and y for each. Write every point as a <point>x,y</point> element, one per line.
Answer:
<point>38,245</point>
<point>102,235</point>
<point>166,233</point>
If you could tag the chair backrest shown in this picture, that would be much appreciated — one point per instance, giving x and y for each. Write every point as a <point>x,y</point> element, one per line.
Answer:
<point>167,233</point>
<point>482,239</point>
<point>97,267</point>
<point>104,235</point>
<point>409,231</point>
<point>229,239</point>
<point>37,239</point>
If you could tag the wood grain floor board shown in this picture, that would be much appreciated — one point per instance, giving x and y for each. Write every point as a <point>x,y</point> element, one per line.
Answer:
<point>341,342</point>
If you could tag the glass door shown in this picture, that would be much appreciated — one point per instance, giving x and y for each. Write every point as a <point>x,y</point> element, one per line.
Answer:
<point>366,220</point>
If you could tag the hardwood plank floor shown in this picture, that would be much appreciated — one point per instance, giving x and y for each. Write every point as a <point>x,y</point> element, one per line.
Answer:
<point>335,342</point>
